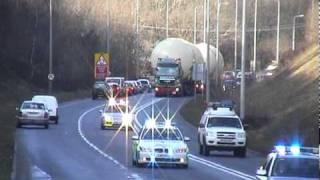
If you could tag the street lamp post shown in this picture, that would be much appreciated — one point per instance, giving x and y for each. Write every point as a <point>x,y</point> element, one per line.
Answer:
<point>294,30</point>
<point>278,33</point>
<point>243,57</point>
<point>208,50</point>
<point>235,36</point>
<point>50,50</point>
<point>255,38</point>
<point>195,26</point>
<point>167,19</point>
<point>217,30</point>
<point>137,37</point>
<point>204,19</point>
<point>108,28</point>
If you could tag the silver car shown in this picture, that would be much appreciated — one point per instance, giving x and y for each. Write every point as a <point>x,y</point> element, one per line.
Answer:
<point>33,113</point>
<point>116,116</point>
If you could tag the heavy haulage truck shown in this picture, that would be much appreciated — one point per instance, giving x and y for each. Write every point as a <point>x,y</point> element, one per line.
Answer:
<point>178,66</point>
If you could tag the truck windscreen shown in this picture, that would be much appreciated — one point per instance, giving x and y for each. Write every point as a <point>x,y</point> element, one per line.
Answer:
<point>167,70</point>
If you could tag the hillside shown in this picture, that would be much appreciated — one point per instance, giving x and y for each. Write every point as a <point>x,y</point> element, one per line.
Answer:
<point>286,108</point>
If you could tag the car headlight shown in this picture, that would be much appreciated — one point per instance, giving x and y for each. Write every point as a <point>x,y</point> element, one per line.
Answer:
<point>145,149</point>
<point>107,118</point>
<point>209,133</point>
<point>127,119</point>
<point>241,135</point>
<point>182,150</point>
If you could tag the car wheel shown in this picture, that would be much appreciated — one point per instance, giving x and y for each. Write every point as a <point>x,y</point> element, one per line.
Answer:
<point>200,149</point>
<point>185,166</point>
<point>206,150</point>
<point>56,121</point>
<point>18,125</point>
<point>46,126</point>
<point>94,97</point>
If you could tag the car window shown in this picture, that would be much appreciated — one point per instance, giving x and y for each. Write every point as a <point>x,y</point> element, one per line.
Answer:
<point>33,106</point>
<point>223,122</point>
<point>144,82</point>
<point>161,134</point>
<point>296,167</point>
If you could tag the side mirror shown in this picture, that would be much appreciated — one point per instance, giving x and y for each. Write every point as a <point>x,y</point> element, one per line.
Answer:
<point>245,126</point>
<point>135,138</point>
<point>261,172</point>
<point>186,139</point>
<point>201,125</point>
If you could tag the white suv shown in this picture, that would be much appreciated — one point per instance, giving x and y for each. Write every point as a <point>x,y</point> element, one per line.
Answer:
<point>221,129</point>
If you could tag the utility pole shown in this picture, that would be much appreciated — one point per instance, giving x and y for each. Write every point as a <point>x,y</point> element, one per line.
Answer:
<point>208,51</point>
<point>243,64</point>
<point>50,52</point>
<point>255,38</point>
<point>235,37</point>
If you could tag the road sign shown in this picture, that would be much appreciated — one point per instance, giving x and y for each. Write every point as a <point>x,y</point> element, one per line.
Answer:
<point>101,65</point>
<point>51,76</point>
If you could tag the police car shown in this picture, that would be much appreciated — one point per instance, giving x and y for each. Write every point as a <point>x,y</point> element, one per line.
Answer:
<point>221,129</point>
<point>116,115</point>
<point>158,144</point>
<point>290,162</point>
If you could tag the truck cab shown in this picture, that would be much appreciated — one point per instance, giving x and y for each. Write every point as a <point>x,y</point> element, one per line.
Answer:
<point>167,77</point>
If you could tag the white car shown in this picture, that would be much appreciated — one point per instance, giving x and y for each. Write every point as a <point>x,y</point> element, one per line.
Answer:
<point>52,105</point>
<point>221,129</point>
<point>118,80</point>
<point>160,144</point>
<point>33,113</point>
<point>116,115</point>
<point>290,163</point>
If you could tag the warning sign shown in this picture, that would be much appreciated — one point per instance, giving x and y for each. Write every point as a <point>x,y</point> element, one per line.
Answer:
<point>101,65</point>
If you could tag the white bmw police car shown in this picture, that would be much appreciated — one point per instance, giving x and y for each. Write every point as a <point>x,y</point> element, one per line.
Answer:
<point>160,144</point>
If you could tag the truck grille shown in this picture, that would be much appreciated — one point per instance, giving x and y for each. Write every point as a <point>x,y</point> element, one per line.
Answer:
<point>226,135</point>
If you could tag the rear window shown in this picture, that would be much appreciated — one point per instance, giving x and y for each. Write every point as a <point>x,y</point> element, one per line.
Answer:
<point>33,106</point>
<point>144,82</point>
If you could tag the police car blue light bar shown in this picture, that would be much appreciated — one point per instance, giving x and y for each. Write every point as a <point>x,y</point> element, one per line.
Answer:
<point>294,149</point>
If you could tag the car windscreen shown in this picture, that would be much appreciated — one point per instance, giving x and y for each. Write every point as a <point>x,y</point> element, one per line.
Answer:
<point>161,134</point>
<point>296,167</point>
<point>113,81</point>
<point>223,122</point>
<point>144,82</point>
<point>33,106</point>
<point>116,109</point>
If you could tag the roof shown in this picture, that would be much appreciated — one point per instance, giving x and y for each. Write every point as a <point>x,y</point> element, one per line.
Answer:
<point>220,111</point>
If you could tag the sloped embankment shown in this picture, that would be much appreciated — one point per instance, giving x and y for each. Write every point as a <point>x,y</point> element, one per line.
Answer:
<point>286,108</point>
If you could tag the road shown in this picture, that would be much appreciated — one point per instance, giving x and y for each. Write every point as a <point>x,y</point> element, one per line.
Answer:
<point>78,149</point>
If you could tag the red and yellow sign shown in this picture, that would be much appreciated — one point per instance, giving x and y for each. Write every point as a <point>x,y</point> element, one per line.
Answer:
<point>101,65</point>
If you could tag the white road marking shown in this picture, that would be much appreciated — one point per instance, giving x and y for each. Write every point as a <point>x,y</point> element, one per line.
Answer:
<point>221,168</point>
<point>38,174</point>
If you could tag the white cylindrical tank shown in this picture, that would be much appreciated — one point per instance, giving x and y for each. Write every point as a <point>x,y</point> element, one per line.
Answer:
<point>178,48</point>
<point>216,66</point>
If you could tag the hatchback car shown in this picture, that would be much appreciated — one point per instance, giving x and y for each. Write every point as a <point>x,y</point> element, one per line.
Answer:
<point>33,113</point>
